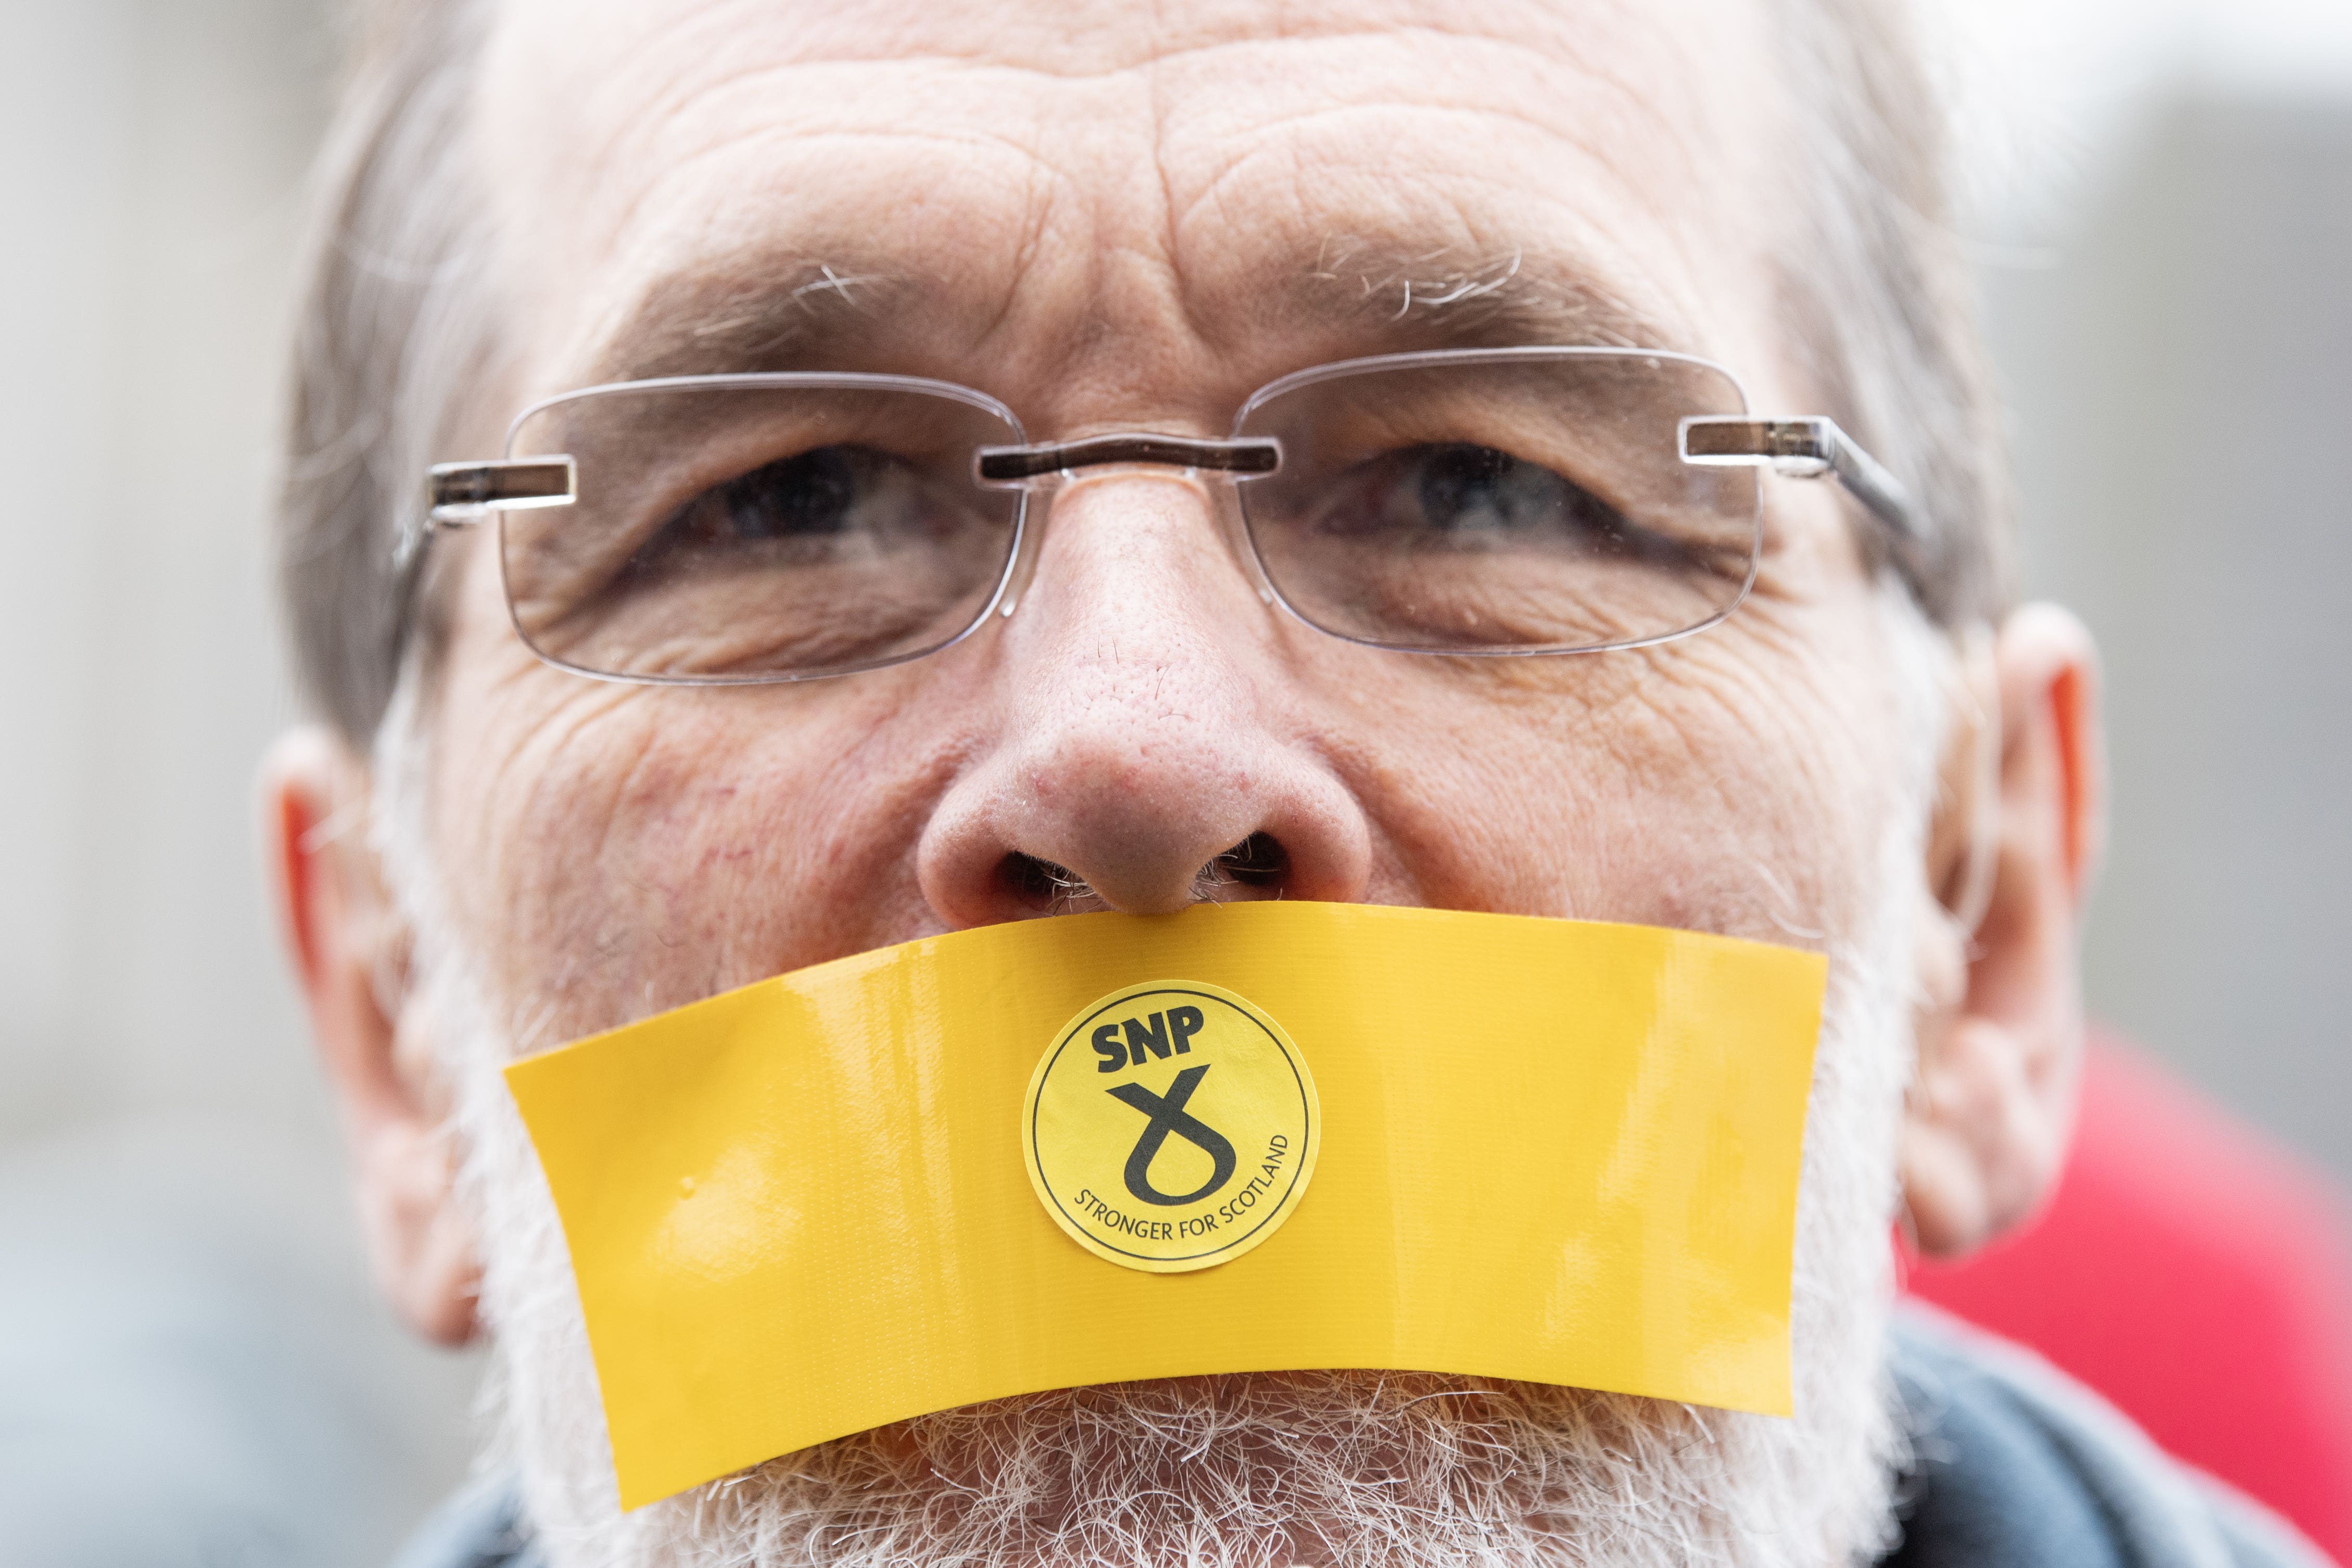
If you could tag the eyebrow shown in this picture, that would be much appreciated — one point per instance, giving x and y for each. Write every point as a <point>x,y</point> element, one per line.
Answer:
<point>746,314</point>
<point>757,310</point>
<point>1439,296</point>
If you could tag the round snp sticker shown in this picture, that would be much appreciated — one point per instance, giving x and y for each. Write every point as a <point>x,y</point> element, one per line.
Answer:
<point>1170,1126</point>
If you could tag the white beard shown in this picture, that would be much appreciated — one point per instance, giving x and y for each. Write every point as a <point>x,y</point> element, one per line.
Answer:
<point>1348,1470</point>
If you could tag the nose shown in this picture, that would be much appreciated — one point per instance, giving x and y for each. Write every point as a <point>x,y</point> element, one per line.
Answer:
<point>1153,747</point>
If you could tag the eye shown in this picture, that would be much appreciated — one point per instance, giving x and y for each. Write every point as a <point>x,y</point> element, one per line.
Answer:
<point>1462,495</point>
<point>1462,489</point>
<point>1458,496</point>
<point>811,496</point>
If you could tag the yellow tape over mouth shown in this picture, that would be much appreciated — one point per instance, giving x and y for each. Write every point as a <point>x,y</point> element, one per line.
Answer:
<point>1551,1151</point>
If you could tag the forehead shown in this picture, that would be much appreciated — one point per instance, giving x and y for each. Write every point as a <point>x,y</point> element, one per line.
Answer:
<point>1044,198</point>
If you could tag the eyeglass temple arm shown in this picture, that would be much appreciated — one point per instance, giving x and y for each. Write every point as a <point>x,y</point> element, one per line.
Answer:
<point>1804,448</point>
<point>458,495</point>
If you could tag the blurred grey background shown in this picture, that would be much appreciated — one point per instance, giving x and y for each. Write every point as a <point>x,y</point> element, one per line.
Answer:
<point>182,1297</point>
<point>2161,202</point>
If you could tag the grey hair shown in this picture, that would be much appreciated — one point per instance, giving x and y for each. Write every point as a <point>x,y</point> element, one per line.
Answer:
<point>397,327</point>
<point>397,330</point>
<point>1879,300</point>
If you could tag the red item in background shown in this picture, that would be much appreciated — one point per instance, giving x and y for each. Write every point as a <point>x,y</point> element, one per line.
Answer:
<point>2199,1277</point>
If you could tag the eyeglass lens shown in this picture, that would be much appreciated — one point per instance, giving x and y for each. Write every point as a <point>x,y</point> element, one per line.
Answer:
<point>1472,504</point>
<point>1500,505</point>
<point>744,533</point>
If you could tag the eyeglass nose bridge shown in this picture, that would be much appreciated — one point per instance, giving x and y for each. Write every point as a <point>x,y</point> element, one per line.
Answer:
<point>1023,468</point>
<point>1016,467</point>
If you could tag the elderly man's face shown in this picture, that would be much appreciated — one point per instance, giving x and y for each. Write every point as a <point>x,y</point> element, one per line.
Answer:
<point>1108,224</point>
<point>1113,219</point>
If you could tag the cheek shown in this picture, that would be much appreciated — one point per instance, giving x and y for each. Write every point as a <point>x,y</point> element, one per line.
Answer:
<point>641,859</point>
<point>1736,783</point>
<point>610,851</point>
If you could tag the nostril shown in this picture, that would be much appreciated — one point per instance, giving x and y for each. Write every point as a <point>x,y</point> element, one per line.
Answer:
<point>1257,861</point>
<point>1041,884</point>
<point>1047,886</point>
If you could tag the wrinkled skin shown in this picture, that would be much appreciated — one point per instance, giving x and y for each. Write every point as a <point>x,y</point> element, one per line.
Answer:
<point>1112,220</point>
<point>1093,226</point>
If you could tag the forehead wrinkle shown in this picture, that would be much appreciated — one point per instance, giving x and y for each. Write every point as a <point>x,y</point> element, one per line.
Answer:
<point>809,143</point>
<point>641,131</point>
<point>1525,86</point>
<point>641,332</point>
<point>734,309</point>
<point>1531,307</point>
<point>1306,154</point>
<point>594,156</point>
<point>1537,279</point>
<point>1170,68</point>
<point>675,88</point>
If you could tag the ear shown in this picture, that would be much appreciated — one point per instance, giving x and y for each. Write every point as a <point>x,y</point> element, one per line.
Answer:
<point>2014,845</point>
<point>349,950</point>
